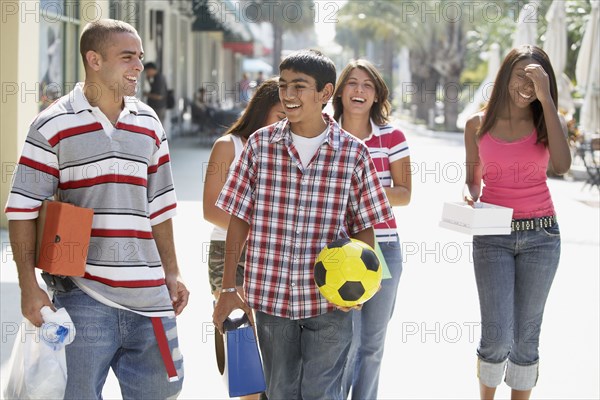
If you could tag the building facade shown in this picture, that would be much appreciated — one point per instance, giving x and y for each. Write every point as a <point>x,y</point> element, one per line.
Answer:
<point>40,57</point>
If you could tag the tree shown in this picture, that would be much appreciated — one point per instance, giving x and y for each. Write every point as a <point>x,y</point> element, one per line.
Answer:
<point>446,39</point>
<point>363,23</point>
<point>295,16</point>
<point>578,12</point>
<point>436,47</point>
<point>437,39</point>
<point>502,29</point>
<point>449,65</point>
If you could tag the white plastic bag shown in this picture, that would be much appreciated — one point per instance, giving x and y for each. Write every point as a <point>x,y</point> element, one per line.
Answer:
<point>39,365</point>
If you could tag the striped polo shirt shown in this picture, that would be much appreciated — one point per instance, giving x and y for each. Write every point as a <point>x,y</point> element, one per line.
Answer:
<point>124,174</point>
<point>386,144</point>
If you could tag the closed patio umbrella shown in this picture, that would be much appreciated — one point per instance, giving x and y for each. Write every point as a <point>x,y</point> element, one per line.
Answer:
<point>587,72</point>
<point>526,32</point>
<point>555,46</point>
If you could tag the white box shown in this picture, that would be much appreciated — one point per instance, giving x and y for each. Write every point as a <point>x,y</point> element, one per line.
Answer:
<point>481,219</point>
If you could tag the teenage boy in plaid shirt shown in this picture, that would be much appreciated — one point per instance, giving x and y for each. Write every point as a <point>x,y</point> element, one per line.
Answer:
<point>299,185</point>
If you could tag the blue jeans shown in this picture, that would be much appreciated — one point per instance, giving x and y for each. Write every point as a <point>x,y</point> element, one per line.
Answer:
<point>369,330</point>
<point>514,274</point>
<point>108,337</point>
<point>304,359</point>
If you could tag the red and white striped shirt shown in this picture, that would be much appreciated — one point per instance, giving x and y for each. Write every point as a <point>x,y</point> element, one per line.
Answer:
<point>295,210</point>
<point>124,176</point>
<point>386,144</point>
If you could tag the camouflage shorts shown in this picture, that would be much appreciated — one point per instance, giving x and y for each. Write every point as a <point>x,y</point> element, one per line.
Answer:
<point>216,262</point>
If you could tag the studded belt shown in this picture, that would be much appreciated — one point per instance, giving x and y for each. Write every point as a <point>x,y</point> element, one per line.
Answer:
<point>532,224</point>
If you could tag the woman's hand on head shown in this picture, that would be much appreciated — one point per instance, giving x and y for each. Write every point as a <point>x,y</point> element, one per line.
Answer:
<point>541,82</point>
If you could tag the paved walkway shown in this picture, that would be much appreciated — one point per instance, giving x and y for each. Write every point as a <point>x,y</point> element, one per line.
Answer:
<point>433,336</point>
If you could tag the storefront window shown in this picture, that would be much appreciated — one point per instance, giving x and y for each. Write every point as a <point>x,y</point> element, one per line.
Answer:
<point>51,62</point>
<point>59,23</point>
<point>125,10</point>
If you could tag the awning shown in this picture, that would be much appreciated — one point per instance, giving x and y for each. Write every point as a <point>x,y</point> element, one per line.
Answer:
<point>221,16</point>
<point>256,65</point>
<point>245,48</point>
<point>205,20</point>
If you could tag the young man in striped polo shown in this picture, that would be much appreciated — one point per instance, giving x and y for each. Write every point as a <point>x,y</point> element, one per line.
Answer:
<point>99,147</point>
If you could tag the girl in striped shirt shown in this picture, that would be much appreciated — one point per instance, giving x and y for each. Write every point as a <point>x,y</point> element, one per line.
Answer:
<point>362,108</point>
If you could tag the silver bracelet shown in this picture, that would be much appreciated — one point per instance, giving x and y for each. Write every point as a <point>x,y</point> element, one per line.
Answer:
<point>228,290</point>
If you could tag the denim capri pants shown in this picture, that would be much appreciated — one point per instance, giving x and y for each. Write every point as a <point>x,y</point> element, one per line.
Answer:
<point>514,274</point>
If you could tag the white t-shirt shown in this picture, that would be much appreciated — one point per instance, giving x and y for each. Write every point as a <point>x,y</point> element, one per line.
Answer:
<point>307,147</point>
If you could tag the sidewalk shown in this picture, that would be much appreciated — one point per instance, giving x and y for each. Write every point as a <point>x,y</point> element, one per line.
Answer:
<point>433,336</point>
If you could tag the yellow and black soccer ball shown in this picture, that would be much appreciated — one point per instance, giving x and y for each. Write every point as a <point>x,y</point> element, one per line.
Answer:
<point>347,272</point>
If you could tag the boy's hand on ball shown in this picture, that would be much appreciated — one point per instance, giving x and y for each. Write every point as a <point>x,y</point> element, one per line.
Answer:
<point>356,307</point>
<point>347,273</point>
<point>348,309</point>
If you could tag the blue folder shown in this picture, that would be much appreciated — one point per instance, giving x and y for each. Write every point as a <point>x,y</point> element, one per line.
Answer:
<point>243,366</point>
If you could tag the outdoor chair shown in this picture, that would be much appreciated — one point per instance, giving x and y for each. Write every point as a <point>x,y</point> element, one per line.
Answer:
<point>589,152</point>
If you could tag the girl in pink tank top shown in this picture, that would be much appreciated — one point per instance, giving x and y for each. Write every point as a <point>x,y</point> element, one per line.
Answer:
<point>514,173</point>
<point>509,146</point>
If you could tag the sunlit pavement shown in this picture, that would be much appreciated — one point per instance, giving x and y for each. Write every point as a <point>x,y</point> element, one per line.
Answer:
<point>432,338</point>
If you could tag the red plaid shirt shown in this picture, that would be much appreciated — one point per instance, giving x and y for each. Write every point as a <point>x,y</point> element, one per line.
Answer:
<point>294,211</point>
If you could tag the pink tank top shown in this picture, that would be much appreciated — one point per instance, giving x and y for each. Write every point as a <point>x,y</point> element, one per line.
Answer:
<point>514,174</point>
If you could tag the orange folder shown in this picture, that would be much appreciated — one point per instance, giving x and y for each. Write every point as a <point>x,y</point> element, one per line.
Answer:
<point>63,238</point>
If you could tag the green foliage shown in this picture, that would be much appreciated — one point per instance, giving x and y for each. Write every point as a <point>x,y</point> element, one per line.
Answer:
<point>446,38</point>
<point>477,74</point>
<point>502,31</point>
<point>295,16</point>
<point>493,21</point>
<point>578,13</point>
<point>363,21</point>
